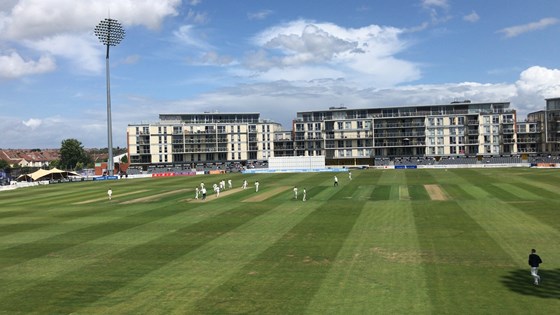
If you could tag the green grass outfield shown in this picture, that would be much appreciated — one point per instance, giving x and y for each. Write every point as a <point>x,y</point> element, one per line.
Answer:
<point>386,242</point>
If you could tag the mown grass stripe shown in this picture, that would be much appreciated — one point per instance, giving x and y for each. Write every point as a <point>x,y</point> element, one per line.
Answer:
<point>381,192</point>
<point>394,192</point>
<point>403,193</point>
<point>205,268</point>
<point>362,192</point>
<point>518,191</point>
<point>67,293</point>
<point>307,252</point>
<point>322,193</point>
<point>20,253</point>
<point>516,232</point>
<point>343,192</point>
<point>456,192</point>
<point>379,263</point>
<point>476,191</point>
<point>460,258</point>
<point>500,193</point>
<point>62,223</point>
<point>538,190</point>
<point>418,192</point>
<point>476,270</point>
<point>49,267</point>
<point>41,221</point>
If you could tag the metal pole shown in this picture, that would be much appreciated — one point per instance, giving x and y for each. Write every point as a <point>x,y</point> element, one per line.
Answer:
<point>110,33</point>
<point>110,162</point>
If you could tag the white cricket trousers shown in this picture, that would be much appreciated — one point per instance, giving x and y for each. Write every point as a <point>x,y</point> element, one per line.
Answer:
<point>535,274</point>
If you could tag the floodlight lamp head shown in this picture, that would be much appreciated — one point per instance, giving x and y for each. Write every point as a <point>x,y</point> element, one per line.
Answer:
<point>110,32</point>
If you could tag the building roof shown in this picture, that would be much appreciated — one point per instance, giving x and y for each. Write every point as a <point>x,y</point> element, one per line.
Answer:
<point>15,156</point>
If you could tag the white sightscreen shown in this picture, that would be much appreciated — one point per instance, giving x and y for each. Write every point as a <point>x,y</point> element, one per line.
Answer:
<point>296,162</point>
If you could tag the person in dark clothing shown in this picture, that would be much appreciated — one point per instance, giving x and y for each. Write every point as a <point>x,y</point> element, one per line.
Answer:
<point>534,261</point>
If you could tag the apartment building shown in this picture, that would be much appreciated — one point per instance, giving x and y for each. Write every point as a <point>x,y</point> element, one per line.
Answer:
<point>202,138</point>
<point>548,124</point>
<point>349,136</point>
<point>356,136</point>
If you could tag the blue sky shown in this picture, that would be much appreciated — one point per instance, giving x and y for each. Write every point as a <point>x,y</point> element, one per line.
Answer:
<point>272,57</point>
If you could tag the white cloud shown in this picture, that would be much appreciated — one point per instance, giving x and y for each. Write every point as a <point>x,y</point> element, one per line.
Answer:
<point>14,66</point>
<point>517,30</point>
<point>280,101</point>
<point>260,15</point>
<point>438,10</point>
<point>472,17</point>
<point>541,81</point>
<point>187,35</point>
<point>132,59</point>
<point>32,123</point>
<point>309,50</point>
<point>50,27</point>
<point>30,19</point>
<point>213,58</point>
<point>435,3</point>
<point>197,17</point>
<point>82,51</point>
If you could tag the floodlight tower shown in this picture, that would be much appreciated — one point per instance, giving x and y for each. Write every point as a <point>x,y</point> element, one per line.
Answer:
<point>110,33</point>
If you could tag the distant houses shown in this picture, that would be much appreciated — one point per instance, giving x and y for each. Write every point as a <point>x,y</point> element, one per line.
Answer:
<point>29,158</point>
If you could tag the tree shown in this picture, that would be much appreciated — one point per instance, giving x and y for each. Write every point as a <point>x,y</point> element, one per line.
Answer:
<point>4,164</point>
<point>71,153</point>
<point>124,159</point>
<point>54,164</point>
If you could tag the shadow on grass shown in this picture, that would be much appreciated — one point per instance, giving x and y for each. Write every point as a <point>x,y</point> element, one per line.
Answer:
<point>521,281</point>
